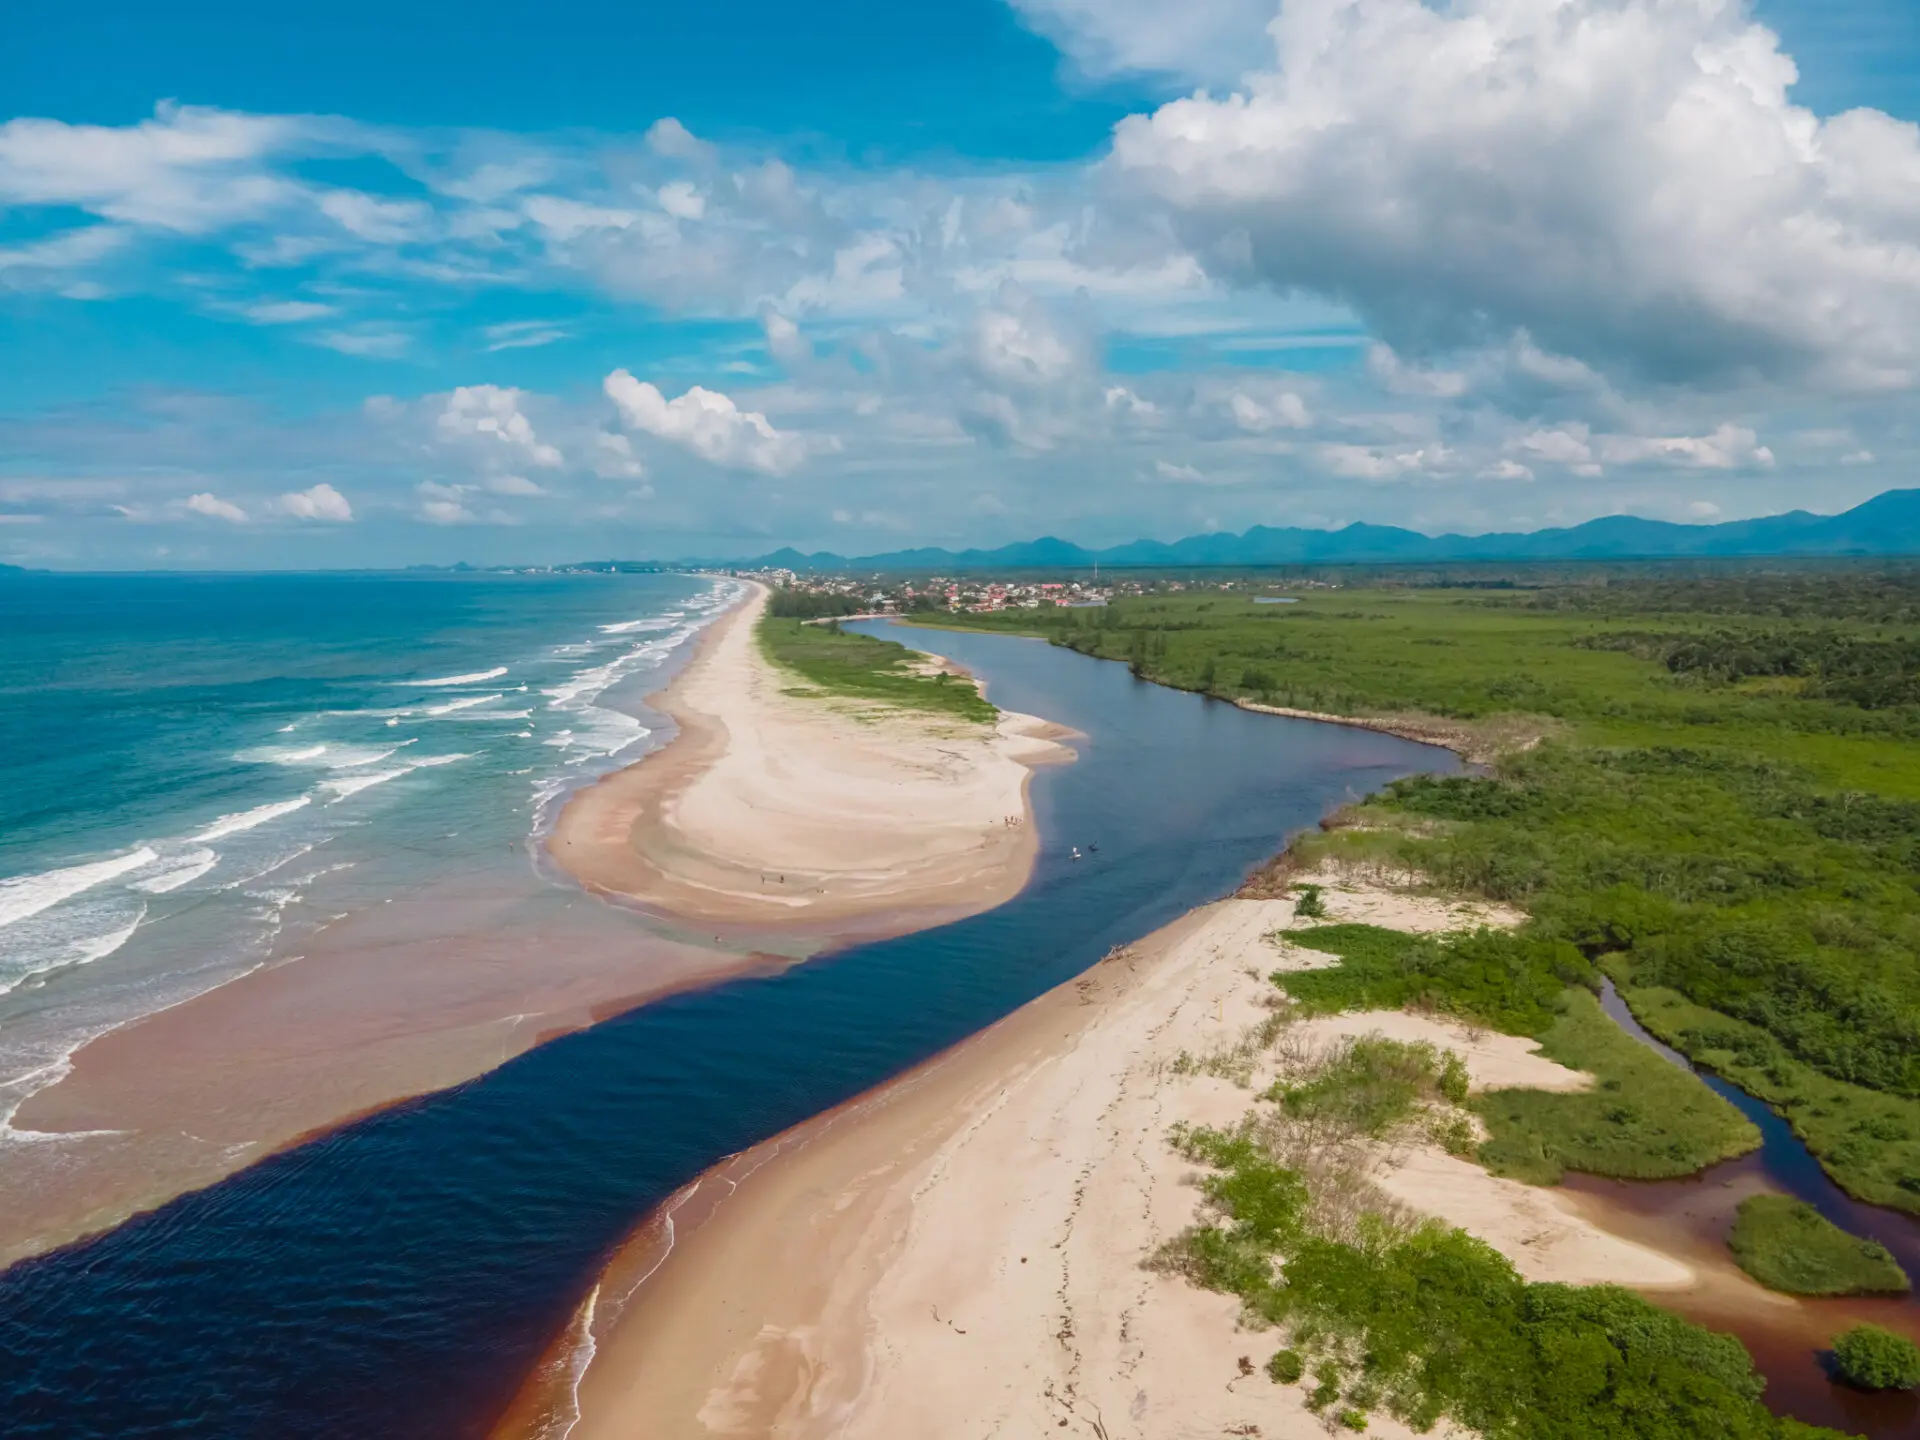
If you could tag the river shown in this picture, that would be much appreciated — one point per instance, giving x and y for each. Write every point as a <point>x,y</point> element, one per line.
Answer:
<point>400,1275</point>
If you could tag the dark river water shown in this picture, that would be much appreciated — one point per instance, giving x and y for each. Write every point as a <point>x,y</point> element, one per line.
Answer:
<point>1789,1340</point>
<point>398,1277</point>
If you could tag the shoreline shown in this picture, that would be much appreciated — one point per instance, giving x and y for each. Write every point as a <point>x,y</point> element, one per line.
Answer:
<point>804,814</point>
<point>378,1007</point>
<point>987,1214</point>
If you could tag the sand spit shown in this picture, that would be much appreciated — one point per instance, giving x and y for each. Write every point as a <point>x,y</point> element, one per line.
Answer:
<point>961,1257</point>
<point>790,810</point>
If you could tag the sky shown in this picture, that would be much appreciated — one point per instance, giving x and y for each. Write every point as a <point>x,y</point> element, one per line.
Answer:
<point>379,285</point>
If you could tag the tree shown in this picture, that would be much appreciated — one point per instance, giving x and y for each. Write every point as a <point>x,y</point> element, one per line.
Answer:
<point>1873,1358</point>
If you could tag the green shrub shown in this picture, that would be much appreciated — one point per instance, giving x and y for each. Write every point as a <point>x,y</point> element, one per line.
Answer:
<point>1789,1246</point>
<point>1286,1367</point>
<point>1310,906</point>
<point>1876,1359</point>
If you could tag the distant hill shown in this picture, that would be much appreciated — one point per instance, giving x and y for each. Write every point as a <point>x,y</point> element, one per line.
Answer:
<point>1888,524</point>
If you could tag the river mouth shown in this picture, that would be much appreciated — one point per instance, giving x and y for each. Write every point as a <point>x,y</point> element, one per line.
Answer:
<point>1789,1336</point>
<point>402,1276</point>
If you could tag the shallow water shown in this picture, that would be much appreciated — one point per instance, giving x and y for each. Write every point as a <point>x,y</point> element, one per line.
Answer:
<point>1788,1340</point>
<point>400,1276</point>
<point>200,772</point>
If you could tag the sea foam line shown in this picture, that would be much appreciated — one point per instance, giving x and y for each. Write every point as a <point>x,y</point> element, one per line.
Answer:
<point>27,895</point>
<point>473,679</point>
<point>248,819</point>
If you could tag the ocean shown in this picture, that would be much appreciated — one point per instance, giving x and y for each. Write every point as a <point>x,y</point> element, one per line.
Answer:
<point>199,773</point>
<point>404,1275</point>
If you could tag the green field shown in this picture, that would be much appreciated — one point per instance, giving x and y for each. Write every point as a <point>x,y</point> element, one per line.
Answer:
<point>1709,788</point>
<point>845,665</point>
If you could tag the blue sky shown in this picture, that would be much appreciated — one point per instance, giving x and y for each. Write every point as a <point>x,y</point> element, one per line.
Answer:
<point>427,282</point>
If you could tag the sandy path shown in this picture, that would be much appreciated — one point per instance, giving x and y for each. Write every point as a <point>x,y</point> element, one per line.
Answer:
<point>776,808</point>
<point>961,1255</point>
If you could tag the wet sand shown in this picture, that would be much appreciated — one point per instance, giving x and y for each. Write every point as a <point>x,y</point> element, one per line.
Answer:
<point>414,996</point>
<point>931,824</point>
<point>813,815</point>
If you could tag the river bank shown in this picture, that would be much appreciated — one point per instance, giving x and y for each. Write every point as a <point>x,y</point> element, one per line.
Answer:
<point>403,1274</point>
<point>962,1250</point>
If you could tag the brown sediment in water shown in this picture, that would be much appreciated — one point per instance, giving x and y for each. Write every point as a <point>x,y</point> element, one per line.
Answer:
<point>399,1001</point>
<point>1788,1336</point>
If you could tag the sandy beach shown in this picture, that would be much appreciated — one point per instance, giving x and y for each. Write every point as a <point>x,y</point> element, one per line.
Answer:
<point>960,1253</point>
<point>780,809</point>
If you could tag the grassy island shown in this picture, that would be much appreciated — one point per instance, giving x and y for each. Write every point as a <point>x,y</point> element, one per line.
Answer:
<point>1789,1246</point>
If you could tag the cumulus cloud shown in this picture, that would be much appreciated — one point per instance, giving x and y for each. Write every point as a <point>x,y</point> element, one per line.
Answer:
<point>708,423</point>
<point>1282,411</point>
<point>214,508</point>
<point>490,415</point>
<point>1625,180</point>
<point>320,502</point>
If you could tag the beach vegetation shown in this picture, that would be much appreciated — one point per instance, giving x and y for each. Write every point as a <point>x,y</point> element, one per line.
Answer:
<point>787,603</point>
<point>1706,785</point>
<point>1789,1246</point>
<point>1871,1357</point>
<point>1428,1324</point>
<point>848,665</point>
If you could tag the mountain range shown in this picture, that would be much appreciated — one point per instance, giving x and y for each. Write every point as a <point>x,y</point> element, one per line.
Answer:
<point>1888,524</point>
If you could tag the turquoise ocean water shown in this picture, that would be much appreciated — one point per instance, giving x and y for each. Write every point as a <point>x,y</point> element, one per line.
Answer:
<point>198,771</point>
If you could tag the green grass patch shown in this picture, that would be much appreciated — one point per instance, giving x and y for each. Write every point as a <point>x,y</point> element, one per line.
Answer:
<point>853,666</point>
<point>1867,1140</point>
<point>1431,1325</point>
<point>1511,982</point>
<point>1373,1085</point>
<point>1644,1119</point>
<point>1789,1246</point>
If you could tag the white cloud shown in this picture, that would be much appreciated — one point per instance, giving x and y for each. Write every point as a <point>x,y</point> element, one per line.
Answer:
<point>367,342</point>
<point>1506,470</point>
<point>287,312</point>
<point>613,457</point>
<point>1624,180</point>
<point>444,504</point>
<point>1399,378</point>
<point>1207,41</point>
<point>523,335</point>
<point>1727,448</point>
<point>321,502</point>
<point>706,422</point>
<point>491,414</point>
<point>1169,471</point>
<point>1283,411</point>
<point>213,507</point>
<point>784,340</point>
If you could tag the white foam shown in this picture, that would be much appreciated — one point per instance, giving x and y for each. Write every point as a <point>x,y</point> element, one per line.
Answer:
<point>452,705</point>
<point>187,869</point>
<point>354,784</point>
<point>474,679</point>
<point>627,627</point>
<point>347,785</point>
<point>248,819</point>
<point>26,895</point>
<point>78,952</point>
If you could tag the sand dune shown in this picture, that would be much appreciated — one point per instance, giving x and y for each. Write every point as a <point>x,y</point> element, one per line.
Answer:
<point>777,808</point>
<point>960,1254</point>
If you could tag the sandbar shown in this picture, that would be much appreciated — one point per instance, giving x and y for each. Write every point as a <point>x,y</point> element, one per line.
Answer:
<point>780,807</point>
